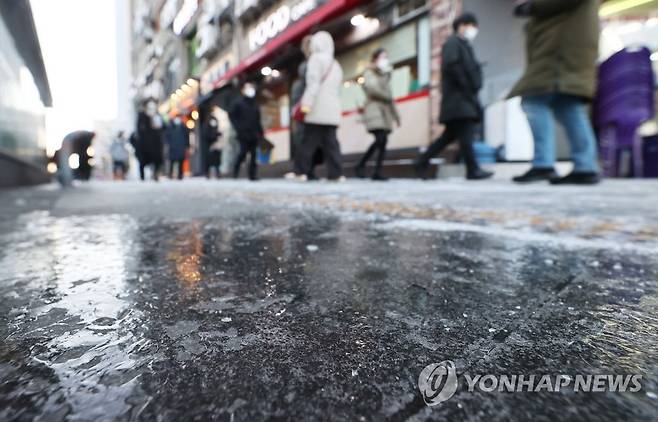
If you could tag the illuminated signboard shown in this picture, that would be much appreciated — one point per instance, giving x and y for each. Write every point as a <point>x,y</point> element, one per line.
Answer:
<point>276,22</point>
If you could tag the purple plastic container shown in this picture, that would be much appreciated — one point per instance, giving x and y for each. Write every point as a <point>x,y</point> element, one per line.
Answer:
<point>625,100</point>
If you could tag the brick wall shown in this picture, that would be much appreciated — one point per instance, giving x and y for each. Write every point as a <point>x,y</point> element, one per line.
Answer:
<point>442,13</point>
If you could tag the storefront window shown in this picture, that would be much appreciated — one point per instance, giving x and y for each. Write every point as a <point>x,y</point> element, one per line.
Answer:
<point>275,106</point>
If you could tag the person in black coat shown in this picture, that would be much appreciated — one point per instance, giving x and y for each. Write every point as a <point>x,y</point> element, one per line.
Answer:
<point>178,141</point>
<point>245,118</point>
<point>211,141</point>
<point>461,112</point>
<point>150,128</point>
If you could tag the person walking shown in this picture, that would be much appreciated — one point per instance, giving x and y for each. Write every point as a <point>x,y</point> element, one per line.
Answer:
<point>322,107</point>
<point>379,111</point>
<point>461,111</point>
<point>150,128</point>
<point>560,78</point>
<point>213,140</point>
<point>245,118</point>
<point>120,156</point>
<point>296,94</point>
<point>178,142</point>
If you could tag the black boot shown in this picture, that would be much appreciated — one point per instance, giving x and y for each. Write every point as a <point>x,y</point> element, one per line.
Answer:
<point>311,177</point>
<point>379,178</point>
<point>420,170</point>
<point>360,171</point>
<point>577,178</point>
<point>479,174</point>
<point>536,175</point>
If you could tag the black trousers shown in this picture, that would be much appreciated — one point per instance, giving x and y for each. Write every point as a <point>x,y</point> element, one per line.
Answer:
<point>247,146</point>
<point>154,167</point>
<point>463,131</point>
<point>379,146</point>
<point>179,166</point>
<point>120,166</point>
<point>214,161</point>
<point>322,136</point>
<point>298,142</point>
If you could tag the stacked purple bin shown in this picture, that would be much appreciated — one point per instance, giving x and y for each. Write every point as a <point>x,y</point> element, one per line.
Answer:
<point>625,100</point>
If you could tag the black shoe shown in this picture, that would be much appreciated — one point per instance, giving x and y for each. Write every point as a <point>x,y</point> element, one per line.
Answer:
<point>479,174</point>
<point>311,177</point>
<point>420,169</point>
<point>577,178</point>
<point>379,178</point>
<point>360,172</point>
<point>536,175</point>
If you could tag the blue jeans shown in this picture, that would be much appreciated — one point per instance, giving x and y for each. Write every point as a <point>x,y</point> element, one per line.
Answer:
<point>570,112</point>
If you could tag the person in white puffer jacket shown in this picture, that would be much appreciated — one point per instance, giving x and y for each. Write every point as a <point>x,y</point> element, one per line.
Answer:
<point>322,106</point>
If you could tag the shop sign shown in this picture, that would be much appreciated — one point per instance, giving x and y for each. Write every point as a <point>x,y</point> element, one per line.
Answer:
<point>275,23</point>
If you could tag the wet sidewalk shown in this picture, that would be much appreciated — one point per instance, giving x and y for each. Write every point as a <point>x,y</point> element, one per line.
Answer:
<point>205,300</point>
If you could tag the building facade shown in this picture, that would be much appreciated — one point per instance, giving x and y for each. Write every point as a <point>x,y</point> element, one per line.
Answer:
<point>25,94</point>
<point>190,55</point>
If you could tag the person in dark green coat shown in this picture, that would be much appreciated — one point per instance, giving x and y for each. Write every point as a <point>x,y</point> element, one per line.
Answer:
<point>560,78</point>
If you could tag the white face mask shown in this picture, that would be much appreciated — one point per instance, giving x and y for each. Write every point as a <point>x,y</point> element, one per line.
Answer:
<point>384,65</point>
<point>249,91</point>
<point>151,109</point>
<point>471,33</point>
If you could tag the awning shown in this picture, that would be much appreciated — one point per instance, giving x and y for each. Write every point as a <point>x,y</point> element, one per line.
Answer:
<point>294,33</point>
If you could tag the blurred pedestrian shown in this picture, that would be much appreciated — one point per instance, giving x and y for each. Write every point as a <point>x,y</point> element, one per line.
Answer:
<point>245,118</point>
<point>64,171</point>
<point>296,94</point>
<point>178,142</point>
<point>120,156</point>
<point>461,111</point>
<point>74,156</point>
<point>150,128</point>
<point>379,112</point>
<point>213,140</point>
<point>137,150</point>
<point>560,78</point>
<point>321,106</point>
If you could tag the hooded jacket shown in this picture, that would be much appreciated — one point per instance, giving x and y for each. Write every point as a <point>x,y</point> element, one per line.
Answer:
<point>324,79</point>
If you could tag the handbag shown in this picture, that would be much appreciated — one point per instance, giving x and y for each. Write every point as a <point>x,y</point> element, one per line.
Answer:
<point>297,114</point>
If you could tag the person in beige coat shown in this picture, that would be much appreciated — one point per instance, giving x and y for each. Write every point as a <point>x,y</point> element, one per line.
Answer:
<point>379,112</point>
<point>322,107</point>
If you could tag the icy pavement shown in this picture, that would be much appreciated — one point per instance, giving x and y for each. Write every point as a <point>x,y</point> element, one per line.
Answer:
<point>227,300</point>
